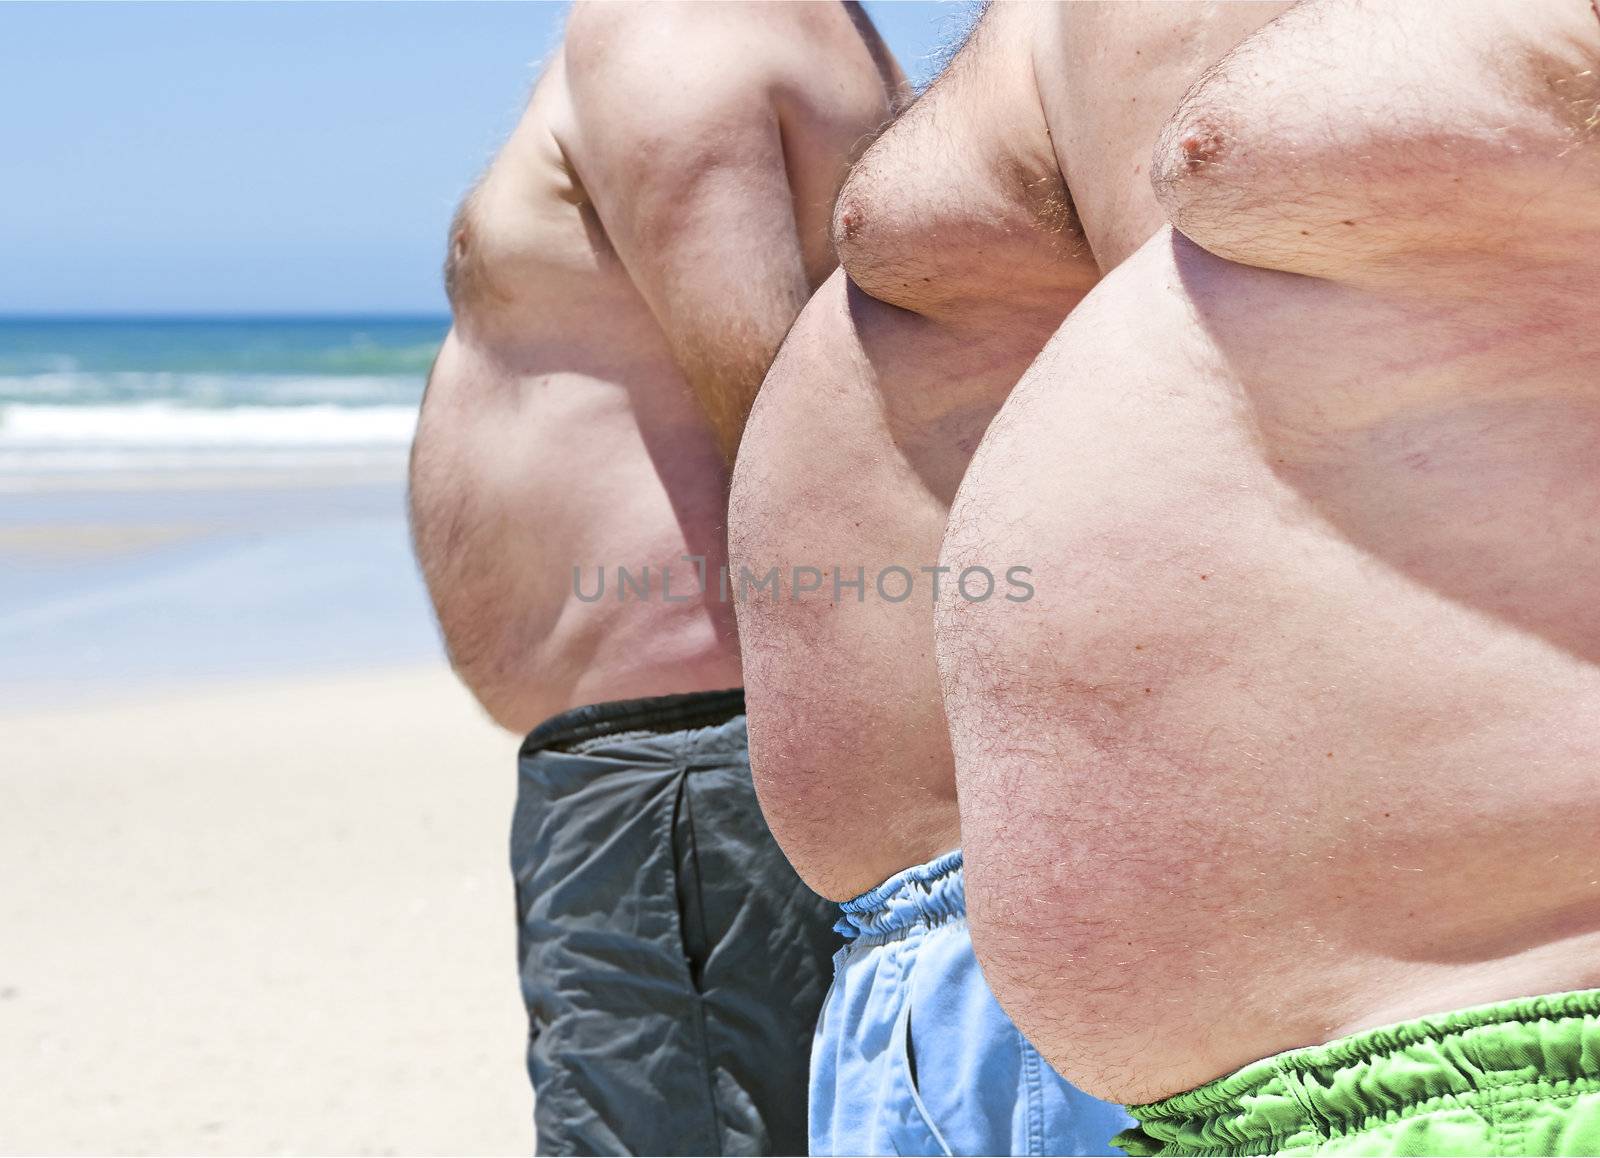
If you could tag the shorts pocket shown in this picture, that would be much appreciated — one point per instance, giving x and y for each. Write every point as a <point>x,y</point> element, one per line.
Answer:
<point>688,890</point>
<point>914,1130</point>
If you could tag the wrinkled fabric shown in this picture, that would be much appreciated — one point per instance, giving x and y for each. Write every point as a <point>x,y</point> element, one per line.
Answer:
<point>913,1055</point>
<point>672,963</point>
<point>1516,1078</point>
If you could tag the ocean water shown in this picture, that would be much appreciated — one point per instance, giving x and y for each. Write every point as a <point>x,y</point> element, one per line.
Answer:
<point>133,394</point>
<point>149,533</point>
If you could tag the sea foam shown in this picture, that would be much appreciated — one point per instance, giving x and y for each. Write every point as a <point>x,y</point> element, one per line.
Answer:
<point>163,435</point>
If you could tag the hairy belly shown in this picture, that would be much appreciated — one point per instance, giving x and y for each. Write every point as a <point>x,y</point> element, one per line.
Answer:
<point>565,544</point>
<point>1246,774</point>
<point>847,734</point>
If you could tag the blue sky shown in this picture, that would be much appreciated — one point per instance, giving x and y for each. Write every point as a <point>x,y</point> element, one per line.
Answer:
<point>270,157</point>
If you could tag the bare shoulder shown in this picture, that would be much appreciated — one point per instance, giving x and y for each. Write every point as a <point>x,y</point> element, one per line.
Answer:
<point>592,20</point>
<point>678,54</point>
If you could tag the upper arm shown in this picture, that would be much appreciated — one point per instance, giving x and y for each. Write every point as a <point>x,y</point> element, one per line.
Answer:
<point>678,144</point>
<point>1369,141</point>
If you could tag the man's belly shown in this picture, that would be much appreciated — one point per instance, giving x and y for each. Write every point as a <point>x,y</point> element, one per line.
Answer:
<point>848,470</point>
<point>553,524</point>
<point>1288,742</point>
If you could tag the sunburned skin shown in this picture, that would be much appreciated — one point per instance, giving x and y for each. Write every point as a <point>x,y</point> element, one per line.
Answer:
<point>620,281</point>
<point>1300,733</point>
<point>962,249</point>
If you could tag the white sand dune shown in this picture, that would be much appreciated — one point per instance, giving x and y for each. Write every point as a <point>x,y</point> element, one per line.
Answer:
<point>263,918</point>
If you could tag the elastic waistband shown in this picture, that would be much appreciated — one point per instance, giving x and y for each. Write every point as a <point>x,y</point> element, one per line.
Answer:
<point>929,894</point>
<point>656,714</point>
<point>1540,1046</point>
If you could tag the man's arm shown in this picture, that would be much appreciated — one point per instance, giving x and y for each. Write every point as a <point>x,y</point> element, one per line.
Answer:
<point>1378,142</point>
<point>678,144</point>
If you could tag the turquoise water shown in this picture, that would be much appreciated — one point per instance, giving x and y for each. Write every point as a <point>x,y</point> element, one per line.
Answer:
<point>85,394</point>
<point>243,579</point>
<point>246,346</point>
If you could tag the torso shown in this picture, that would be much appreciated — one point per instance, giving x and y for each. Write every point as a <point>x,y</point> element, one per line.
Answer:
<point>556,445</point>
<point>962,256</point>
<point>559,433</point>
<point>1299,735</point>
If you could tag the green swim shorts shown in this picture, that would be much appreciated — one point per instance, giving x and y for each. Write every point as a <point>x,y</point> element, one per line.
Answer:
<point>1517,1078</point>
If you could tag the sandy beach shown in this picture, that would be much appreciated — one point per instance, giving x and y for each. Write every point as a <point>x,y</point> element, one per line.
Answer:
<point>267,918</point>
<point>252,832</point>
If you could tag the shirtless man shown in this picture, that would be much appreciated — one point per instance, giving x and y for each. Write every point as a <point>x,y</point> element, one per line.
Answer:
<point>1283,790</point>
<point>966,234</point>
<point>620,281</point>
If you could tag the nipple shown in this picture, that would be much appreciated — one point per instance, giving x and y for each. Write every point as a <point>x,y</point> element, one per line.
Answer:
<point>1200,147</point>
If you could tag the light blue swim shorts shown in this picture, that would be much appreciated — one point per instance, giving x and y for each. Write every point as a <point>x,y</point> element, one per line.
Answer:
<point>913,1055</point>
